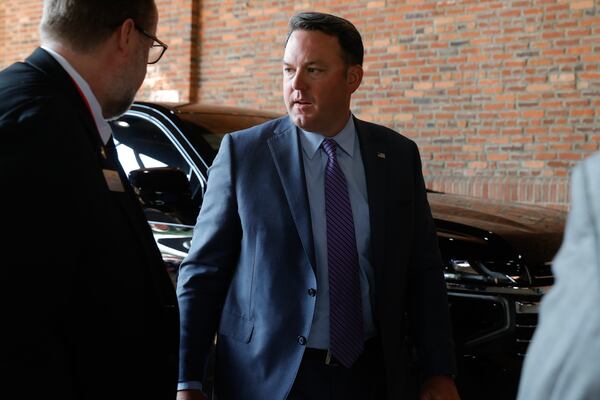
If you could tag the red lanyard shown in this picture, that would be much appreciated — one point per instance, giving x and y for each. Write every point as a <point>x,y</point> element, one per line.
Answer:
<point>87,104</point>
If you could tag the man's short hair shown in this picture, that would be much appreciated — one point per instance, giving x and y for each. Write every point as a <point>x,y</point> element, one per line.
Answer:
<point>347,34</point>
<point>84,24</point>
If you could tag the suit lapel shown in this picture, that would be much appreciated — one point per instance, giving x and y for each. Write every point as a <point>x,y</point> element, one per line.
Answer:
<point>373,154</point>
<point>287,155</point>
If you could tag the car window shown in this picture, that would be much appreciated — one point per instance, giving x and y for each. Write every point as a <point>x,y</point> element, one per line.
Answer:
<point>142,143</point>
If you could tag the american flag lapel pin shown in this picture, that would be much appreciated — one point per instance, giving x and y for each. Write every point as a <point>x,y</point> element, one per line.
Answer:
<point>381,155</point>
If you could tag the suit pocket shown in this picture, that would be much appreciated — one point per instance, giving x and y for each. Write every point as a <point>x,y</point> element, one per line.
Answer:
<point>236,327</point>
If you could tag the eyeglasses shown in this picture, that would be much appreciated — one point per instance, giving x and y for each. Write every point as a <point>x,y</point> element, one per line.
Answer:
<point>158,48</point>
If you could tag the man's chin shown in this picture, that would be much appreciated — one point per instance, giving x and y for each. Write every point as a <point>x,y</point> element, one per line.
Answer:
<point>116,110</point>
<point>301,121</point>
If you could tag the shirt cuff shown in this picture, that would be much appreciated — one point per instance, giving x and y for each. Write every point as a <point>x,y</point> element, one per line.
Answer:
<point>190,385</point>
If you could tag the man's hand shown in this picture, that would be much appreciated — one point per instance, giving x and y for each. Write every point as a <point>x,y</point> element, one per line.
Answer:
<point>190,395</point>
<point>439,388</point>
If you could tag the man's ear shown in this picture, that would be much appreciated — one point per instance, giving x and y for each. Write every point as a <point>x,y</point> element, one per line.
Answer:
<point>354,77</point>
<point>124,35</point>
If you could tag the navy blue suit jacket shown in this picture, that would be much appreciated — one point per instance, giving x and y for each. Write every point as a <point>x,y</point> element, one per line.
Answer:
<point>252,260</point>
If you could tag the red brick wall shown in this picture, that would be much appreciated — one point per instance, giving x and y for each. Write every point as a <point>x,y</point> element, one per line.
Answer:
<point>169,80</point>
<point>19,20</point>
<point>503,97</point>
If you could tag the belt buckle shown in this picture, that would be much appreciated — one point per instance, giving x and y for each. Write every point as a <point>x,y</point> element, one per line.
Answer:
<point>329,360</point>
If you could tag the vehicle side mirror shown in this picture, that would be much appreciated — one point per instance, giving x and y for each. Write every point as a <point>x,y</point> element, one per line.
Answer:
<point>166,190</point>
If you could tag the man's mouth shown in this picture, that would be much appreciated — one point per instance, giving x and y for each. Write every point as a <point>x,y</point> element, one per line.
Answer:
<point>302,103</point>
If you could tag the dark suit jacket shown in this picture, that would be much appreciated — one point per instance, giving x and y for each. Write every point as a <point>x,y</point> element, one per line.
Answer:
<point>88,310</point>
<point>251,264</point>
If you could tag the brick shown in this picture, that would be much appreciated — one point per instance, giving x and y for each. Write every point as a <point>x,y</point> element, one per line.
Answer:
<point>403,117</point>
<point>539,87</point>
<point>562,77</point>
<point>532,114</point>
<point>570,156</point>
<point>497,157</point>
<point>582,113</point>
<point>545,156</point>
<point>533,164</point>
<point>478,165</point>
<point>592,76</point>
<point>579,5</point>
<point>444,84</point>
<point>497,106</point>
<point>591,58</point>
<point>423,85</point>
<point>587,147</point>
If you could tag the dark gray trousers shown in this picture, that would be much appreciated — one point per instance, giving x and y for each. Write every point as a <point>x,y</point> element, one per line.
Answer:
<point>363,381</point>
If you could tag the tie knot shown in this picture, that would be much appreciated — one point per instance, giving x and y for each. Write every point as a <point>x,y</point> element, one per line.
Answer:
<point>330,146</point>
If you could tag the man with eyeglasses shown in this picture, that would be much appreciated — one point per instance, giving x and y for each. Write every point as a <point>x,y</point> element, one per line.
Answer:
<point>88,311</point>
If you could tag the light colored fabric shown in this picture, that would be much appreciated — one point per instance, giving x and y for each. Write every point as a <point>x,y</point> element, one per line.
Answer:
<point>563,361</point>
<point>351,163</point>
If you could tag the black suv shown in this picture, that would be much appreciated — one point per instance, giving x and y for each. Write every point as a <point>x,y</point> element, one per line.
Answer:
<point>497,257</point>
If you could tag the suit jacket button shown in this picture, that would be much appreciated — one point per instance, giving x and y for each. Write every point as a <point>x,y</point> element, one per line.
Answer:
<point>312,292</point>
<point>301,340</point>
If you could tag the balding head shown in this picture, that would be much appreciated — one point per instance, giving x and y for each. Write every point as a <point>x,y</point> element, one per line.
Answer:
<point>82,25</point>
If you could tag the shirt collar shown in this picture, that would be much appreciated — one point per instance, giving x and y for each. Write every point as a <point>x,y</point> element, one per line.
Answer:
<point>345,138</point>
<point>101,124</point>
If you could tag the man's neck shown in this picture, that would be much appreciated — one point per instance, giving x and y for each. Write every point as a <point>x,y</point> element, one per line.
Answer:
<point>86,65</point>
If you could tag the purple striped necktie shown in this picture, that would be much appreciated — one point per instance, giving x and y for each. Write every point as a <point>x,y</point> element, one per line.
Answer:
<point>345,316</point>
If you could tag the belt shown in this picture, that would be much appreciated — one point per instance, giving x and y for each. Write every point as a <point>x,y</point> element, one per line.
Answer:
<point>326,358</point>
<point>323,356</point>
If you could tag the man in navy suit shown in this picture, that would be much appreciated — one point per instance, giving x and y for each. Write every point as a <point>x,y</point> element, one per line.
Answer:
<point>88,311</point>
<point>314,257</point>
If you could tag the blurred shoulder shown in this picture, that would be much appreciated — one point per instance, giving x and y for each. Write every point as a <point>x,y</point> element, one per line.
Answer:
<point>591,164</point>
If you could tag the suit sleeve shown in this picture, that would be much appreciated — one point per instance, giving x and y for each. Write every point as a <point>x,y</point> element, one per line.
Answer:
<point>206,272</point>
<point>428,298</point>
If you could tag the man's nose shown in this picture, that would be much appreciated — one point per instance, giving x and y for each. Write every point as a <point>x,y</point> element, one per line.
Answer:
<point>299,81</point>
